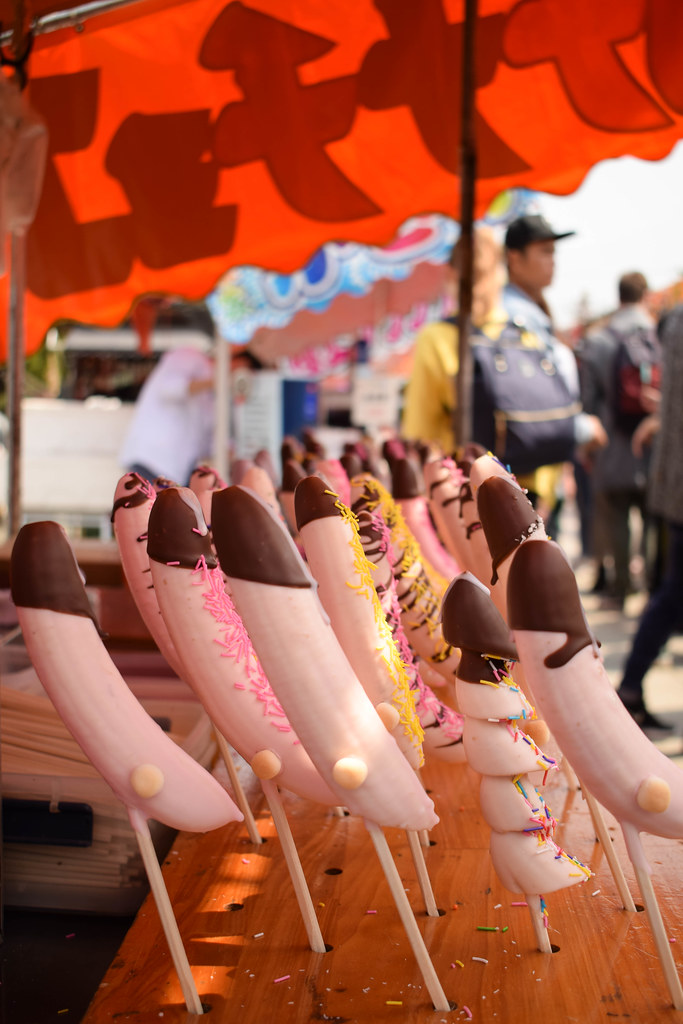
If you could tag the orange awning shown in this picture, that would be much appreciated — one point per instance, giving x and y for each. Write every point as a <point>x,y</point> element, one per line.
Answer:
<point>186,138</point>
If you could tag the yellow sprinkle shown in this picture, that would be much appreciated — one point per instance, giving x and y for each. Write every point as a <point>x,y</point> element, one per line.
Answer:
<point>394,1002</point>
<point>459,963</point>
<point>321,904</point>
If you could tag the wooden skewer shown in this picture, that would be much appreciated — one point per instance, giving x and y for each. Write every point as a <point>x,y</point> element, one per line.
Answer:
<point>607,845</point>
<point>168,921</point>
<point>538,921</point>
<point>424,962</point>
<point>422,874</point>
<point>240,797</point>
<point>296,873</point>
<point>654,920</point>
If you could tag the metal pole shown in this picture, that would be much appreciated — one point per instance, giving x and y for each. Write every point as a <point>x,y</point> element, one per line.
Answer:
<point>223,398</point>
<point>15,374</point>
<point>468,172</point>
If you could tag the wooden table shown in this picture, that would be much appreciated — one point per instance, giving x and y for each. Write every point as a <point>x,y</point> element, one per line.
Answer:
<point>247,945</point>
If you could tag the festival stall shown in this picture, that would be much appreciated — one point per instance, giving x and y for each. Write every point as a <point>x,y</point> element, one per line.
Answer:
<point>185,138</point>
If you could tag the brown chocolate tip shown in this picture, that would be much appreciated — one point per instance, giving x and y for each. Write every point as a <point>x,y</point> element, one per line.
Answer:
<point>313,499</point>
<point>543,596</point>
<point>292,473</point>
<point>208,476</point>
<point>406,479</point>
<point>352,464</point>
<point>252,543</point>
<point>507,517</point>
<point>177,532</point>
<point>44,572</point>
<point>471,621</point>
<point>136,491</point>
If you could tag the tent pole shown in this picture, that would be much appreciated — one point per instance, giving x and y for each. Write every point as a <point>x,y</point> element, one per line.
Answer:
<point>222,391</point>
<point>468,172</point>
<point>15,374</point>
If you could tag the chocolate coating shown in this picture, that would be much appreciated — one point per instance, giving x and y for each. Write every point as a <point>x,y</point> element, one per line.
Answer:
<point>172,533</point>
<point>291,448</point>
<point>44,572</point>
<point>471,621</point>
<point>292,473</point>
<point>138,492</point>
<point>543,596</point>
<point>406,479</point>
<point>209,476</point>
<point>251,543</point>
<point>393,448</point>
<point>313,499</point>
<point>352,464</point>
<point>507,517</point>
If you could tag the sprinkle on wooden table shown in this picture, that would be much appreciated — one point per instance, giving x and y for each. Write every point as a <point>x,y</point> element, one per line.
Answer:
<point>285,977</point>
<point>519,903</point>
<point>320,904</point>
<point>467,1010</point>
<point>62,1011</point>
<point>394,1002</point>
<point>487,928</point>
<point>459,963</point>
<point>259,935</point>
<point>672,939</point>
<point>498,906</point>
<point>71,935</point>
<point>480,959</point>
<point>595,893</point>
<point>505,928</point>
<point>245,860</point>
<point>370,911</point>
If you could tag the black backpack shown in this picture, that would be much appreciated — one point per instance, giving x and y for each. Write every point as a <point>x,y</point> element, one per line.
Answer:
<point>637,364</point>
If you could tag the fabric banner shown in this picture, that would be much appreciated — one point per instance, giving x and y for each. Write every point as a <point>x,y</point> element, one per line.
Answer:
<point>189,138</point>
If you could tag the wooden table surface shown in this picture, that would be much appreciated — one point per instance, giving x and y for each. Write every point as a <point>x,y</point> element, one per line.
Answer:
<point>250,960</point>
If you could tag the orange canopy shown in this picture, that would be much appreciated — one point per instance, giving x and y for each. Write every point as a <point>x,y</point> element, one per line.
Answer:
<point>189,137</point>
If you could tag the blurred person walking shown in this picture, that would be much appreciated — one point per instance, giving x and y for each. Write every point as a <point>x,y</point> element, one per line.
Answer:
<point>664,611</point>
<point>620,365</point>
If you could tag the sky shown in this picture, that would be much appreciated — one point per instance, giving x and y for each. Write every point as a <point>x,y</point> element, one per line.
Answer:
<point>628,215</point>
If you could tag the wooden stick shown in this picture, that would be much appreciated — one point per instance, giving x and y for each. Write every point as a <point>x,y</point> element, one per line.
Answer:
<point>423,833</point>
<point>296,873</point>
<point>538,920</point>
<point>422,873</point>
<point>662,943</point>
<point>168,921</point>
<point>424,962</point>
<point>240,796</point>
<point>608,846</point>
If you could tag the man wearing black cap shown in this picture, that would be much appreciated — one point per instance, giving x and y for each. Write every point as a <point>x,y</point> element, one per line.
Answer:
<point>530,256</point>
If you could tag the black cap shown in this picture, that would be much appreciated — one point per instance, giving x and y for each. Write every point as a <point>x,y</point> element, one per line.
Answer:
<point>531,228</point>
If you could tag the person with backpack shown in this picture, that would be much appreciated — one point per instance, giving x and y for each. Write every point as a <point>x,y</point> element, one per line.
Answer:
<point>620,372</point>
<point>530,259</point>
<point>525,403</point>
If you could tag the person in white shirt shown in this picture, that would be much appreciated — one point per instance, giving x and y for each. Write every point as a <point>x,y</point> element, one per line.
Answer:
<point>172,426</point>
